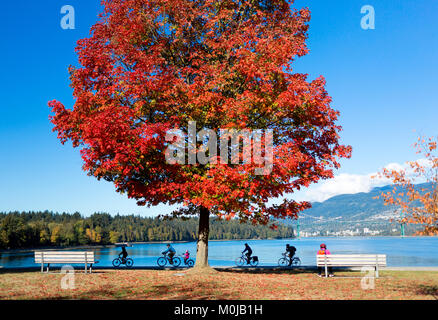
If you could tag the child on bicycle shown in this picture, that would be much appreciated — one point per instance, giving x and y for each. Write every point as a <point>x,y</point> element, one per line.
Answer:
<point>186,256</point>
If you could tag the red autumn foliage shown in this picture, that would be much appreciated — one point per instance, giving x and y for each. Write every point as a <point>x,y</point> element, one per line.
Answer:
<point>419,205</point>
<point>153,65</point>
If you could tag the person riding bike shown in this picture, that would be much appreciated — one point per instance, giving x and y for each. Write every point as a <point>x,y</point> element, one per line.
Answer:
<point>123,254</point>
<point>186,256</point>
<point>290,250</point>
<point>248,254</point>
<point>170,253</point>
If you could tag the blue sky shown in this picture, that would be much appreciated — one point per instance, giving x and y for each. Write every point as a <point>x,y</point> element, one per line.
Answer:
<point>383,81</point>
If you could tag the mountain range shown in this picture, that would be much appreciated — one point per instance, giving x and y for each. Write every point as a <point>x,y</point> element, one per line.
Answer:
<point>353,214</point>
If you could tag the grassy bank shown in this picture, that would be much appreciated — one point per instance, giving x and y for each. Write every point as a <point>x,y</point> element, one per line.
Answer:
<point>151,284</point>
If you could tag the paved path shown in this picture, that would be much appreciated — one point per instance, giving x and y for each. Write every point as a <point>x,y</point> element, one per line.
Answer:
<point>260,268</point>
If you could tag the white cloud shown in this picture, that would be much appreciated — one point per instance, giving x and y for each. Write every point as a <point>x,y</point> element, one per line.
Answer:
<point>343,183</point>
<point>346,183</point>
<point>395,166</point>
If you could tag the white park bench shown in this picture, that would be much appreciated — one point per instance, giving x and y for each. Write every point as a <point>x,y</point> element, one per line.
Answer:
<point>352,260</point>
<point>65,257</point>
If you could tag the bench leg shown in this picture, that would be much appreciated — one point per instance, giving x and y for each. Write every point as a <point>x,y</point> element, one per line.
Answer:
<point>42,267</point>
<point>48,266</point>
<point>377,266</point>
<point>91,268</point>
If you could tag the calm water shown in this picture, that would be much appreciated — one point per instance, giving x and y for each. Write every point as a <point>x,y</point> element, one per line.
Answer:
<point>419,251</point>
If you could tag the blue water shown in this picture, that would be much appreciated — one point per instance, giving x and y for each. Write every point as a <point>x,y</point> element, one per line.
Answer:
<point>410,251</point>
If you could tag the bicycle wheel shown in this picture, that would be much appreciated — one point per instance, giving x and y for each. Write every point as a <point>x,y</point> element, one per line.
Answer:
<point>117,262</point>
<point>296,262</point>
<point>283,262</point>
<point>161,261</point>
<point>240,261</point>
<point>254,263</point>
<point>190,263</point>
<point>129,262</point>
<point>176,261</point>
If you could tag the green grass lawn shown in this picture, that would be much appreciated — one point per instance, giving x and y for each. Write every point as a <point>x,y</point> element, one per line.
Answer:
<point>256,285</point>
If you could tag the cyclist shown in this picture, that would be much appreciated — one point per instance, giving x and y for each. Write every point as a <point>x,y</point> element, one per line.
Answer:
<point>248,254</point>
<point>170,252</point>
<point>123,254</point>
<point>290,250</point>
<point>186,256</point>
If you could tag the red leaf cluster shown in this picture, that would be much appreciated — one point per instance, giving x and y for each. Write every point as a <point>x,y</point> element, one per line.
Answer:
<point>153,65</point>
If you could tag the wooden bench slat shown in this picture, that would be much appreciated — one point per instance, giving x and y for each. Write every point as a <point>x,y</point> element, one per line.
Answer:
<point>68,256</point>
<point>349,259</point>
<point>352,257</point>
<point>361,260</point>
<point>64,253</point>
<point>356,262</point>
<point>59,260</point>
<point>64,257</point>
<point>351,262</point>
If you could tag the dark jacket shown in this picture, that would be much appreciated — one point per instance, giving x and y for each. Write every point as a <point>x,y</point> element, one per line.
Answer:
<point>247,248</point>
<point>291,249</point>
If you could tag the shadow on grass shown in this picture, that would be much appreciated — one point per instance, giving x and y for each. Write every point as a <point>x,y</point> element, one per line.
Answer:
<point>428,291</point>
<point>52,271</point>
<point>24,270</point>
<point>156,292</point>
<point>267,271</point>
<point>293,270</point>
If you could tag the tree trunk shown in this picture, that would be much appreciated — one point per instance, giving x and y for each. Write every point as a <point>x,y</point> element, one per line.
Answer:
<point>202,248</point>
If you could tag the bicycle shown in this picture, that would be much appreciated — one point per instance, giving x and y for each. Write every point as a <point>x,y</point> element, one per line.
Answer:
<point>127,261</point>
<point>253,261</point>
<point>284,262</point>
<point>190,262</point>
<point>162,261</point>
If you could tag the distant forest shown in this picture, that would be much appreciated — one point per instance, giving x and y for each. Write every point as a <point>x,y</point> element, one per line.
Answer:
<point>45,229</point>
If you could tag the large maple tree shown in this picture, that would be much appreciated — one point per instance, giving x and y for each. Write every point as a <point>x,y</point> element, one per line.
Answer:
<point>154,65</point>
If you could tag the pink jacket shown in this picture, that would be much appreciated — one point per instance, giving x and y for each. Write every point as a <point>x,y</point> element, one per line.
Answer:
<point>324,251</point>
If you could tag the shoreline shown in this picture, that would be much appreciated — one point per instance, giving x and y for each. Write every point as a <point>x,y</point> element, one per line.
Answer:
<point>27,250</point>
